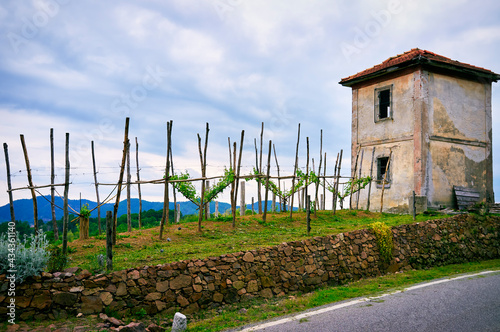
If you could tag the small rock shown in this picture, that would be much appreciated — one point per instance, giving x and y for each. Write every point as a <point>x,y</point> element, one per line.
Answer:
<point>115,321</point>
<point>155,328</point>
<point>133,327</point>
<point>180,322</point>
<point>80,315</point>
<point>168,239</point>
<point>179,228</point>
<point>243,311</point>
<point>80,328</point>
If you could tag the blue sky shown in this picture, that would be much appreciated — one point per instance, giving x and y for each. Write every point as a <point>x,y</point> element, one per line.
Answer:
<point>83,66</point>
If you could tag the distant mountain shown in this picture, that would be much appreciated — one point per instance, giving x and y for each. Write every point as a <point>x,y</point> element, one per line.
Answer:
<point>23,208</point>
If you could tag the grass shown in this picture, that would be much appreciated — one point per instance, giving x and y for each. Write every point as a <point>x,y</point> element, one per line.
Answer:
<point>182,241</point>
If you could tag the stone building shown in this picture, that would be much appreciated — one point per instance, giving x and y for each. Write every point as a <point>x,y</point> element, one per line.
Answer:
<point>434,115</point>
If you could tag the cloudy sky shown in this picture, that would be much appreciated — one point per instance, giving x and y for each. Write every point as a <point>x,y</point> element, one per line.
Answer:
<point>81,67</point>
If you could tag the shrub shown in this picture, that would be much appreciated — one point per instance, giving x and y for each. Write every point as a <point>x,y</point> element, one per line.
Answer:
<point>57,261</point>
<point>30,255</point>
<point>384,240</point>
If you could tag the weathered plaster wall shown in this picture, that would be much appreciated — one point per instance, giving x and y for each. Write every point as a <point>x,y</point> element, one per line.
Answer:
<point>459,138</point>
<point>395,134</point>
<point>191,285</point>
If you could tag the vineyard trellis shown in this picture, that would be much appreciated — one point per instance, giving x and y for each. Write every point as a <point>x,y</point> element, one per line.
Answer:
<point>182,183</point>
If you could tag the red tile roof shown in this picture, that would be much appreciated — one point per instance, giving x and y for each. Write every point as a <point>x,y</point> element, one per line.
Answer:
<point>417,56</point>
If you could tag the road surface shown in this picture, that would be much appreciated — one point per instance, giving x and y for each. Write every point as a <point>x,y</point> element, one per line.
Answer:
<point>465,303</point>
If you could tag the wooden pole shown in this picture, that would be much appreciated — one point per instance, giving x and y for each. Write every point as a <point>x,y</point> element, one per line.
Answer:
<point>383,182</point>
<point>337,182</point>
<point>307,177</point>
<point>207,204</point>
<point>273,204</point>
<point>370,184</point>
<point>139,217</point>
<point>319,172</point>
<point>9,184</point>
<point>308,214</point>
<point>52,188</point>
<point>233,184</point>
<point>359,177</point>
<point>238,173</point>
<point>259,173</point>
<point>253,208</point>
<point>96,189</point>
<point>176,208</point>
<point>279,181</point>
<point>216,209</point>
<point>129,179</point>
<point>295,171</point>
<point>242,199</point>
<point>324,184</point>
<point>109,240</point>
<point>353,174</point>
<point>30,182</point>
<point>259,190</point>
<point>65,206</point>
<point>203,161</point>
<point>264,216</point>
<point>120,180</point>
<point>334,196</point>
<point>166,203</point>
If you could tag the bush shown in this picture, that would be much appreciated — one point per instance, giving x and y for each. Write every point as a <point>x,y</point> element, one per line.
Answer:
<point>28,258</point>
<point>384,240</point>
<point>57,261</point>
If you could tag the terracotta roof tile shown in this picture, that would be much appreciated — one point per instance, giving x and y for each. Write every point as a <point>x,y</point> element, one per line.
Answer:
<point>415,54</point>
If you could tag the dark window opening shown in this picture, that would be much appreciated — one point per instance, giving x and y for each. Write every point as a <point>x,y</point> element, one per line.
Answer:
<point>384,104</point>
<point>381,169</point>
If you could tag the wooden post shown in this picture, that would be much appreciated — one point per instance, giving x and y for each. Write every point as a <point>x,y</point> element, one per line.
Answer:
<point>65,205</point>
<point>96,189</point>
<point>109,241</point>
<point>30,182</point>
<point>176,208</point>
<point>129,217</point>
<point>84,228</point>
<point>259,191</point>
<point>242,199</point>
<point>370,184</point>
<point>237,177</point>
<point>120,180</point>
<point>295,171</point>
<point>322,205</point>
<point>273,204</point>
<point>308,207</point>
<point>264,216</point>
<point>308,214</point>
<point>319,172</point>
<point>354,177</point>
<point>383,182</point>
<point>178,213</point>
<point>359,177</point>
<point>9,184</point>
<point>139,217</point>
<point>216,209</point>
<point>279,180</point>
<point>166,203</point>
<point>324,184</point>
<point>253,207</point>
<point>52,188</point>
<point>203,161</point>
<point>207,204</point>
<point>337,183</point>
<point>232,166</point>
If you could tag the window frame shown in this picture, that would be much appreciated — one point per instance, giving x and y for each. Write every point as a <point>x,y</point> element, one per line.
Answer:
<point>380,178</point>
<point>390,111</point>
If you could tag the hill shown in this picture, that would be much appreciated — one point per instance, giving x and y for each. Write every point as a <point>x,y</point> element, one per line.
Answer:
<point>23,208</point>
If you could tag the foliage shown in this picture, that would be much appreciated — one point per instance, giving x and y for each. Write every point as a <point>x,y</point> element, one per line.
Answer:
<point>384,240</point>
<point>84,211</point>
<point>187,189</point>
<point>57,261</point>
<point>302,178</point>
<point>27,256</point>
<point>352,187</point>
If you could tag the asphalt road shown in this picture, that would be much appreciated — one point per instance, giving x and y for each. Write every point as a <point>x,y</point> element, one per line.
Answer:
<point>466,303</point>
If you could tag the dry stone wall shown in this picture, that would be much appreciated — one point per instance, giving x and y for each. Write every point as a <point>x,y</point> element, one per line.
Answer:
<point>191,285</point>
